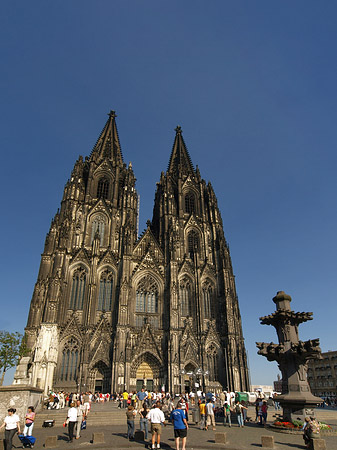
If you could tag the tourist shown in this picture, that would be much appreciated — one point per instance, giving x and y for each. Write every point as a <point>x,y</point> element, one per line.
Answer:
<point>210,415</point>
<point>141,396</point>
<point>143,421</point>
<point>202,410</point>
<point>86,403</point>
<point>29,421</point>
<point>157,418</point>
<point>133,399</point>
<point>227,414</point>
<point>263,416</point>
<point>81,411</point>
<point>125,398</point>
<point>238,411</point>
<point>311,430</point>
<point>180,426</point>
<point>62,400</point>
<point>12,426</point>
<point>130,420</point>
<point>71,420</point>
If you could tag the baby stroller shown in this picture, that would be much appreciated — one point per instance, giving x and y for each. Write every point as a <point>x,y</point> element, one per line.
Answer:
<point>27,441</point>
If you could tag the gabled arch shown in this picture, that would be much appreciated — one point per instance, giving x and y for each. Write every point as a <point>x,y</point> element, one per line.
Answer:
<point>151,359</point>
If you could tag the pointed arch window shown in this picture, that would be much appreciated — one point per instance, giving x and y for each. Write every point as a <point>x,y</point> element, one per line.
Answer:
<point>103,188</point>
<point>98,226</point>
<point>147,295</point>
<point>78,289</point>
<point>193,243</point>
<point>185,297</point>
<point>105,291</point>
<point>189,203</point>
<point>207,296</point>
<point>70,360</point>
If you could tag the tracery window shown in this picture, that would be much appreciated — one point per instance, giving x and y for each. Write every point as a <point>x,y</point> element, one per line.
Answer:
<point>70,360</point>
<point>105,291</point>
<point>193,243</point>
<point>147,295</point>
<point>207,295</point>
<point>189,203</point>
<point>185,297</point>
<point>103,188</point>
<point>98,225</point>
<point>77,289</point>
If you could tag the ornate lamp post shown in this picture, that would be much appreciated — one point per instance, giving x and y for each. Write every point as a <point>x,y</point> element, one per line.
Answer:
<point>291,355</point>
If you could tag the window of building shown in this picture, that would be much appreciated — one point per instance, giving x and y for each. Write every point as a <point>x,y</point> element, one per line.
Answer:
<point>98,226</point>
<point>189,203</point>
<point>147,296</point>
<point>193,243</point>
<point>207,295</point>
<point>185,297</point>
<point>77,289</point>
<point>70,361</point>
<point>103,188</point>
<point>105,291</point>
<point>147,302</point>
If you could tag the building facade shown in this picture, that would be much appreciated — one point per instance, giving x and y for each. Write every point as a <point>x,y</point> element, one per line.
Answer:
<point>322,375</point>
<point>112,310</point>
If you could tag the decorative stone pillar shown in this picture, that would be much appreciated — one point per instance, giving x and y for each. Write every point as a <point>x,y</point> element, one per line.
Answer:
<point>291,355</point>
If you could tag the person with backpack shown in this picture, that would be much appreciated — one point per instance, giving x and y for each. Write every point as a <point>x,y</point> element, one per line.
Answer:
<point>227,414</point>
<point>238,410</point>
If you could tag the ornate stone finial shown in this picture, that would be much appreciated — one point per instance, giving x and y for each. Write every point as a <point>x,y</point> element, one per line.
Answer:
<point>282,300</point>
<point>112,114</point>
<point>178,130</point>
<point>148,223</point>
<point>130,165</point>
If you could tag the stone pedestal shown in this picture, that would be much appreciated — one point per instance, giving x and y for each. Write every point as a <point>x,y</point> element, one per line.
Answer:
<point>19,397</point>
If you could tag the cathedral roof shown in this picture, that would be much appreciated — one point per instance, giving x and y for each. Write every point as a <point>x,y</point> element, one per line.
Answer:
<point>180,160</point>
<point>108,145</point>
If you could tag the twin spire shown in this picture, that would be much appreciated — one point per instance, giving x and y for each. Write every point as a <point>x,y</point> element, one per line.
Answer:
<point>108,146</point>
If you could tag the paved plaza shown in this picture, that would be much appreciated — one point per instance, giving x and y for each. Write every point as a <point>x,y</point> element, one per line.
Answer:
<point>248,437</point>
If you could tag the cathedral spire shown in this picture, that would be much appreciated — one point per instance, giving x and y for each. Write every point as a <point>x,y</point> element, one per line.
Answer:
<point>108,145</point>
<point>180,160</point>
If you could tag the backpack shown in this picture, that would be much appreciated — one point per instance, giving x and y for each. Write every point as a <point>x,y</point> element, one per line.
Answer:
<point>238,409</point>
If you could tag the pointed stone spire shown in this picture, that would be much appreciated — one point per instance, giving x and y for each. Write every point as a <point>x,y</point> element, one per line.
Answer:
<point>180,160</point>
<point>108,145</point>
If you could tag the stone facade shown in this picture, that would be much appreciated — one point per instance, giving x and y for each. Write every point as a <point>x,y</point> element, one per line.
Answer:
<point>322,375</point>
<point>111,309</point>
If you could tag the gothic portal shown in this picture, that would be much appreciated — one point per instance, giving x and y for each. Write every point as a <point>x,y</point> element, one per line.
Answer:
<point>114,310</point>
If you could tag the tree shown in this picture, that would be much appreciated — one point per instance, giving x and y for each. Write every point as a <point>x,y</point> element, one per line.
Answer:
<point>12,348</point>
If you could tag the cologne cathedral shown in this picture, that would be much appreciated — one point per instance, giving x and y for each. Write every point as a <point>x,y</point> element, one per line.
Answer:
<point>112,310</point>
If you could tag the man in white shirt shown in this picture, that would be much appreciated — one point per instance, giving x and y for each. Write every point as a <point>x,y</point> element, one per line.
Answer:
<point>156,417</point>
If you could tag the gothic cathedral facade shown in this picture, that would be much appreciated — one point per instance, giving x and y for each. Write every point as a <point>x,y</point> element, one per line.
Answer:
<point>114,310</point>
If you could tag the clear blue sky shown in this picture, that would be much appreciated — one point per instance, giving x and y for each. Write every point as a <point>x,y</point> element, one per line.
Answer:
<point>253,85</point>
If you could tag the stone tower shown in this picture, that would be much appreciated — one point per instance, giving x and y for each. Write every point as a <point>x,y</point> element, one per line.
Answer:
<point>111,310</point>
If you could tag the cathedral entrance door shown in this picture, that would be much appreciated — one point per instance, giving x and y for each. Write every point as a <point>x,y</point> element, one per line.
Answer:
<point>144,376</point>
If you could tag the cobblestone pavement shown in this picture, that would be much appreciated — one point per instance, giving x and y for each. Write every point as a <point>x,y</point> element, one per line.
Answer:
<point>245,438</point>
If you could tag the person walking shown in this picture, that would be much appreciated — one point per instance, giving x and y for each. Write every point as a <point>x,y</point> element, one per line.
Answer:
<point>210,415</point>
<point>180,426</point>
<point>227,414</point>
<point>202,410</point>
<point>72,420</point>
<point>12,426</point>
<point>238,411</point>
<point>130,420</point>
<point>157,418</point>
<point>29,421</point>
<point>143,421</point>
<point>81,411</point>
